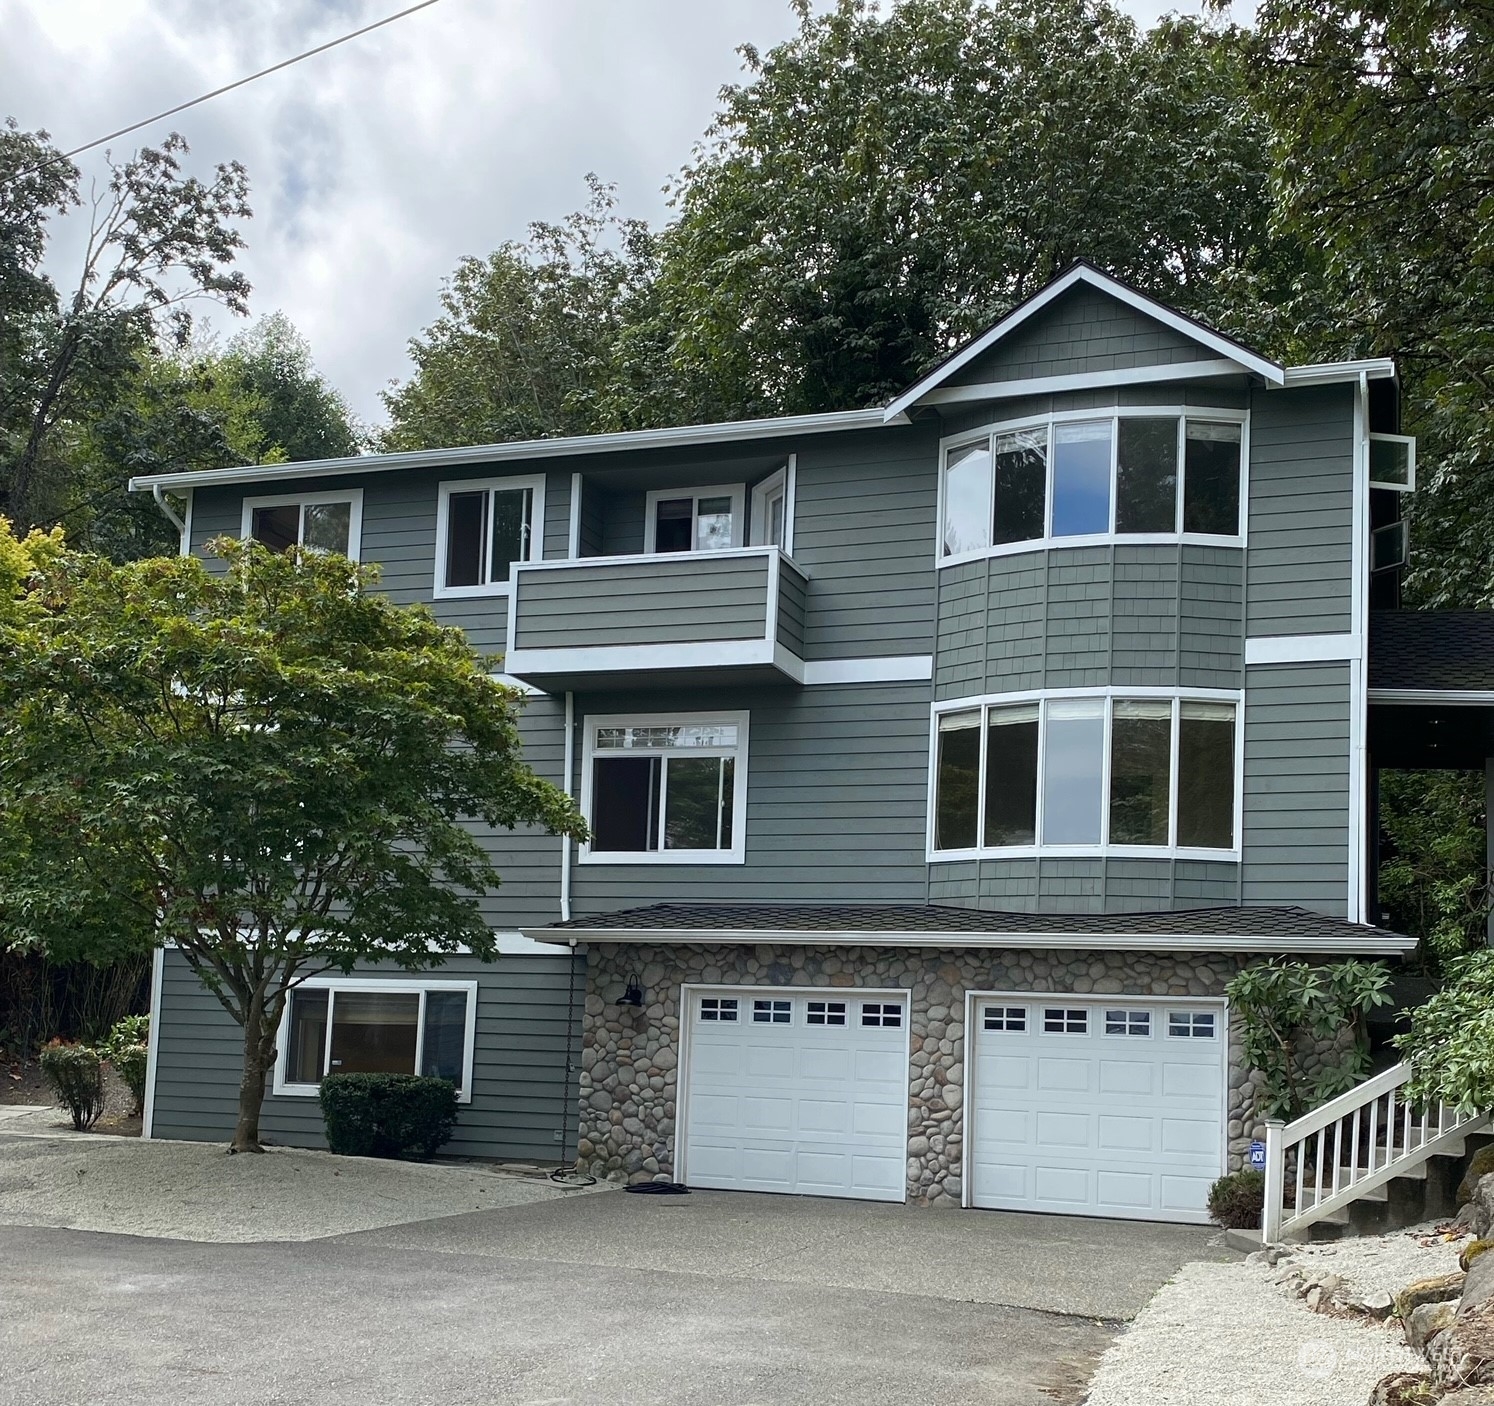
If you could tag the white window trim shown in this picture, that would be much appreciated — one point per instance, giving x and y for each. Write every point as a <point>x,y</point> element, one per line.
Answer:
<point>1409,440</point>
<point>1112,413</point>
<point>776,482</point>
<point>1171,850</point>
<point>351,496</point>
<point>737,492</point>
<point>535,482</point>
<point>283,1087</point>
<point>737,854</point>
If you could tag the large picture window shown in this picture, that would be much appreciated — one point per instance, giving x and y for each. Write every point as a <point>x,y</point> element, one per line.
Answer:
<point>666,789</point>
<point>1153,773</point>
<point>483,530</point>
<point>371,1026</point>
<point>1150,475</point>
<point>319,522</point>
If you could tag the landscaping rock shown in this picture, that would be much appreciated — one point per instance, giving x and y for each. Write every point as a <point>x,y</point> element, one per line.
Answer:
<point>1472,1250</point>
<point>1463,1353</point>
<point>1404,1389</point>
<point>1426,1322</point>
<point>1478,1214</point>
<point>1468,1396</point>
<point>1376,1304</point>
<point>1478,1283</point>
<point>1436,1290</point>
<point>1480,1165</point>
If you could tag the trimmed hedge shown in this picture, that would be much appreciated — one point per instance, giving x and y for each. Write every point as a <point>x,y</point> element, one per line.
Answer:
<point>1236,1201</point>
<point>388,1115</point>
<point>76,1074</point>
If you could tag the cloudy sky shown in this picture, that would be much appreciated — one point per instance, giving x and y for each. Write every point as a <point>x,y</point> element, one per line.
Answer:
<point>376,166</point>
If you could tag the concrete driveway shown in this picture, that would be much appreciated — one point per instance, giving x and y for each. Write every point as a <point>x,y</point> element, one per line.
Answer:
<point>714,1298</point>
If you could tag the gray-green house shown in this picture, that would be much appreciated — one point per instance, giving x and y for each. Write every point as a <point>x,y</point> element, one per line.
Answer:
<point>944,761</point>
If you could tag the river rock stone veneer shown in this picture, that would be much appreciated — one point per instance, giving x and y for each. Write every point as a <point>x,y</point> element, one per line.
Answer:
<point>630,1055</point>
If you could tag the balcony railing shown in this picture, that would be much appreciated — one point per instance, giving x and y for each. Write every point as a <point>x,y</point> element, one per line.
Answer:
<point>597,622</point>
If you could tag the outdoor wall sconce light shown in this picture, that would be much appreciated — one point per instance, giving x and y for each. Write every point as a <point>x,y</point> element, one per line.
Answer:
<point>633,996</point>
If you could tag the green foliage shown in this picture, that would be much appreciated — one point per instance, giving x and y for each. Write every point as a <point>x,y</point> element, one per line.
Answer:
<point>1282,1005</point>
<point>1450,1044</point>
<point>1434,884</point>
<point>388,1115</point>
<point>157,238</point>
<point>76,1075</point>
<point>1236,1201</point>
<point>127,1049</point>
<point>270,765</point>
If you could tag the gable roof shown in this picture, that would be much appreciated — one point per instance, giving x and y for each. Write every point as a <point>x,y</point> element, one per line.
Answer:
<point>1223,347</point>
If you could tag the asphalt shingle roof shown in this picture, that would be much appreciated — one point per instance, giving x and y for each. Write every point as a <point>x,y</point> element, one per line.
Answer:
<point>938,919</point>
<point>1449,650</point>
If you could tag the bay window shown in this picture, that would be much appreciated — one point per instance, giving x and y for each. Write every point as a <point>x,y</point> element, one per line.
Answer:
<point>666,789</point>
<point>1139,773</point>
<point>336,1025</point>
<point>1094,477</point>
<point>483,530</point>
<point>317,522</point>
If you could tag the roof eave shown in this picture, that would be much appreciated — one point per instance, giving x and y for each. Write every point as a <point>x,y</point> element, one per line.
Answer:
<point>725,432</point>
<point>1327,373</point>
<point>1374,941</point>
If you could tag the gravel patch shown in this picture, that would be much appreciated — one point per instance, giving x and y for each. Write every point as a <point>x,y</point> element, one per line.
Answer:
<point>1220,1334</point>
<point>195,1191</point>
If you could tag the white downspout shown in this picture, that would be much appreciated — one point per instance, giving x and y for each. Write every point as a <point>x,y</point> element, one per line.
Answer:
<point>1359,846</point>
<point>165,507</point>
<point>565,840</point>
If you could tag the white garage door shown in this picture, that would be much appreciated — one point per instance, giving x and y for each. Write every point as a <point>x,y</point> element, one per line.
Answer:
<point>796,1092</point>
<point>1100,1108</point>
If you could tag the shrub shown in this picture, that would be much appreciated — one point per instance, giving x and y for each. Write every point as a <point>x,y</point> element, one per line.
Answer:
<point>127,1048</point>
<point>1451,1041</point>
<point>76,1075</point>
<point>1235,1201</point>
<point>387,1115</point>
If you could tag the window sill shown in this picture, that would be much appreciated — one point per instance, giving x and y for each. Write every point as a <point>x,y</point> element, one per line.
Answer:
<point>313,1090</point>
<point>953,856</point>
<point>619,859</point>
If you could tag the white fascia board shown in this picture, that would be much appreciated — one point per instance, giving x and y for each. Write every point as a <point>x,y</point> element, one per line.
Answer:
<point>726,432</point>
<point>1327,373</point>
<point>1379,945</point>
<point>1434,697</point>
<point>1270,371</point>
<point>705,654</point>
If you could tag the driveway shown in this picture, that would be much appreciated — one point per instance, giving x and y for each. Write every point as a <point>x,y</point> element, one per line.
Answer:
<point>714,1299</point>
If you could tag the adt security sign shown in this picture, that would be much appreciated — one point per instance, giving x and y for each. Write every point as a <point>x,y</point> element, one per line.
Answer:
<point>1258,1156</point>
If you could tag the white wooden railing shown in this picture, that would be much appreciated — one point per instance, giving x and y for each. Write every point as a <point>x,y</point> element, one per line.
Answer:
<point>1349,1147</point>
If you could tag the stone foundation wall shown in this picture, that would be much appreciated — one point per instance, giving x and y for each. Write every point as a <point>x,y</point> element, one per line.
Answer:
<point>630,1056</point>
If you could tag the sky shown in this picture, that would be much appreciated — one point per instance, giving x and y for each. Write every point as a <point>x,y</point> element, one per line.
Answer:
<point>375,167</point>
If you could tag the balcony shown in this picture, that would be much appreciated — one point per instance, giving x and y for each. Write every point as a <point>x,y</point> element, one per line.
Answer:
<point>732,617</point>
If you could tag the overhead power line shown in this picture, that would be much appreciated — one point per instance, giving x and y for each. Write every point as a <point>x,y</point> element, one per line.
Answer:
<point>217,92</point>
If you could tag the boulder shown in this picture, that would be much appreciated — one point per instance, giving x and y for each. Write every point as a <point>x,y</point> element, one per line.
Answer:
<point>1479,1166</point>
<point>1472,1250</point>
<point>1426,1321</point>
<point>1435,1290</point>
<point>1468,1396</point>
<point>1374,1304</point>
<point>1462,1354</point>
<point>1478,1213</point>
<point>1478,1283</point>
<point>1404,1389</point>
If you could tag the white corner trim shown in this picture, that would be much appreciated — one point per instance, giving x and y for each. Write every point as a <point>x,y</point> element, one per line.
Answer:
<point>1082,381</point>
<point>152,1053</point>
<point>573,537</point>
<point>1247,360</point>
<point>1381,944</point>
<point>1301,649</point>
<point>885,668</point>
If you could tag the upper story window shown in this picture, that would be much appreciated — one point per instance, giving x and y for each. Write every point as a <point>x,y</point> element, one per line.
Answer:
<point>669,789</point>
<point>1083,477</point>
<point>694,519</point>
<point>770,520</point>
<point>483,529</point>
<point>371,1026</point>
<point>320,522</point>
<point>1086,773</point>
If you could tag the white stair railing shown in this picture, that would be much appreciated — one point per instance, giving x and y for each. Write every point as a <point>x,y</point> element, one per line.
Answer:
<point>1350,1146</point>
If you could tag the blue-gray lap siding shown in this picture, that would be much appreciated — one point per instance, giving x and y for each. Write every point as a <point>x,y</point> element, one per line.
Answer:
<point>521,1094</point>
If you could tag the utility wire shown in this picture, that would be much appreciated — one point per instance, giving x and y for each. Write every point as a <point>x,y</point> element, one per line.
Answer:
<point>217,92</point>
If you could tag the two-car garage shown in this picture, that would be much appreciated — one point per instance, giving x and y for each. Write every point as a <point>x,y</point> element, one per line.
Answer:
<point>1102,1106</point>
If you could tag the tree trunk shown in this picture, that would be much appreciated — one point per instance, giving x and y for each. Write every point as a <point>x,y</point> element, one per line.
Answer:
<point>259,1057</point>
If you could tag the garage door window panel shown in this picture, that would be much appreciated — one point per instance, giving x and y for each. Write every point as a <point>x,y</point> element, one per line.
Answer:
<point>1012,1018</point>
<point>773,1012</point>
<point>718,1008</point>
<point>1065,1020</point>
<point>1191,1025</point>
<point>884,1014</point>
<point>1128,1023</point>
<point>826,1013</point>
